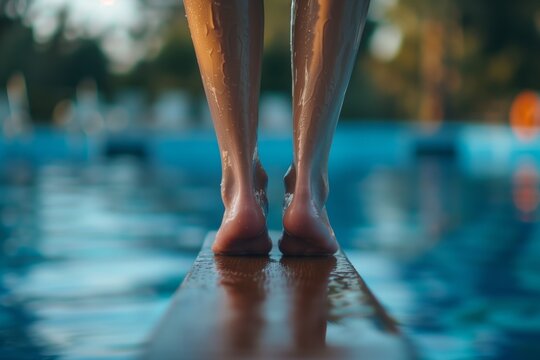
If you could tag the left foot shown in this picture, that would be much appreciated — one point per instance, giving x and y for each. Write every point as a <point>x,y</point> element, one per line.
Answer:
<point>243,230</point>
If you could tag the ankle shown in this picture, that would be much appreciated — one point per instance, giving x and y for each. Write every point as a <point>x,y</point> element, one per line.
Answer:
<point>307,185</point>
<point>249,184</point>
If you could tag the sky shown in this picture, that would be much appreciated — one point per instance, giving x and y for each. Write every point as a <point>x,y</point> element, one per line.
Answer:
<point>85,17</point>
<point>114,22</point>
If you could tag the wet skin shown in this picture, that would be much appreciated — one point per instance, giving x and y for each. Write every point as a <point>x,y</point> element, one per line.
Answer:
<point>325,39</point>
<point>228,37</point>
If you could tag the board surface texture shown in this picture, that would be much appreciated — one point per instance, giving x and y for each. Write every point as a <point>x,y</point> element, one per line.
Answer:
<point>232,307</point>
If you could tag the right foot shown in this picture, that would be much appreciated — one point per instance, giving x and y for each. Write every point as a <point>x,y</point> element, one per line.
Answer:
<point>243,229</point>
<point>306,228</point>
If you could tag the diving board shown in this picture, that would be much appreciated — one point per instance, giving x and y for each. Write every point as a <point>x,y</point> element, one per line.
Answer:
<point>273,308</point>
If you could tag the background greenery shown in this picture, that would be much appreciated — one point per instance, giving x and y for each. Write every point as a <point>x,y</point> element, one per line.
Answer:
<point>457,59</point>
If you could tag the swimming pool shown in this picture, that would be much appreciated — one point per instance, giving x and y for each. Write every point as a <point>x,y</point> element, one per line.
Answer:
<point>92,251</point>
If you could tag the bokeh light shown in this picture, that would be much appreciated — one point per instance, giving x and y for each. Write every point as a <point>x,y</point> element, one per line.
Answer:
<point>525,115</point>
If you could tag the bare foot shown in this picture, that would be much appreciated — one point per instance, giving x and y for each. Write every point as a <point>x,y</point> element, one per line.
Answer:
<point>243,229</point>
<point>306,228</point>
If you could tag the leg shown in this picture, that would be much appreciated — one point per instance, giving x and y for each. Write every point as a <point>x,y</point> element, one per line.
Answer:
<point>325,37</point>
<point>228,37</point>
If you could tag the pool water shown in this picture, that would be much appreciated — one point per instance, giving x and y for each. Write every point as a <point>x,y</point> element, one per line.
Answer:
<point>91,254</point>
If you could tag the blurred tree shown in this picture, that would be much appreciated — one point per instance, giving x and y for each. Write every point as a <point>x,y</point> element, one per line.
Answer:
<point>461,59</point>
<point>52,69</point>
<point>173,66</point>
<point>433,60</point>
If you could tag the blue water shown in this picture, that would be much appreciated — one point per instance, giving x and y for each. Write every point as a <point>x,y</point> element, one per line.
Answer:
<point>92,253</point>
<point>91,256</point>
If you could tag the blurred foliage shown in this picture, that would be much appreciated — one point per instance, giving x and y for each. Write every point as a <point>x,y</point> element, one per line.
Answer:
<point>52,70</point>
<point>457,59</point>
<point>472,56</point>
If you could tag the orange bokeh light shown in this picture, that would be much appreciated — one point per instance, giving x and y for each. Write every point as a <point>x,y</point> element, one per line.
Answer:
<point>525,115</point>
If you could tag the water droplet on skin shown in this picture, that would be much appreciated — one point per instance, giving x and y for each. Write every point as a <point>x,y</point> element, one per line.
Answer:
<point>226,159</point>
<point>212,24</point>
<point>288,200</point>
